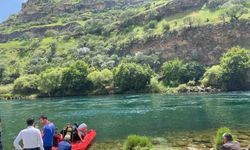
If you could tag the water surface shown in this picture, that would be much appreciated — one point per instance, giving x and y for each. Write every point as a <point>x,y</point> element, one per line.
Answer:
<point>115,117</point>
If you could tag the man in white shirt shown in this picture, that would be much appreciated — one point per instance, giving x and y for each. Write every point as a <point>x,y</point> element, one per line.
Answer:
<point>31,137</point>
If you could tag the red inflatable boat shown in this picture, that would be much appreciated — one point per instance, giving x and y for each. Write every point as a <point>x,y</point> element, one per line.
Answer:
<point>84,144</point>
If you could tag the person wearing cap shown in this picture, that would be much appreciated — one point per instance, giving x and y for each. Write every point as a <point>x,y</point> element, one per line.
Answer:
<point>81,130</point>
<point>229,144</point>
<point>65,144</point>
<point>31,137</point>
<point>47,133</point>
<point>1,145</point>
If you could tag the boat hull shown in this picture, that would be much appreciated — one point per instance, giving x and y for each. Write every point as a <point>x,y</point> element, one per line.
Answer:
<point>84,144</point>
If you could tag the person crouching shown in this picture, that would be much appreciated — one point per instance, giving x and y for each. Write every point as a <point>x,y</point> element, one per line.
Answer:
<point>65,144</point>
<point>229,144</point>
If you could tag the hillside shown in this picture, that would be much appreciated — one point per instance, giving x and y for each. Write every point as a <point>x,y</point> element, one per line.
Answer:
<point>103,33</point>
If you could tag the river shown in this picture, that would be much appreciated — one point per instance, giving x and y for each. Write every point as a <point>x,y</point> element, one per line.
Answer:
<point>114,117</point>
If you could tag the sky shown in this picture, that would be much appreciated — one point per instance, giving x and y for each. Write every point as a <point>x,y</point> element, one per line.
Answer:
<point>9,7</point>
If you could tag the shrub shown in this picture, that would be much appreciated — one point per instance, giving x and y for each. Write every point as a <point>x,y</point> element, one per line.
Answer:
<point>26,84</point>
<point>173,72</point>
<point>74,78</point>
<point>132,76</point>
<point>235,64</point>
<point>215,4</point>
<point>166,28</point>
<point>100,79</point>
<point>151,25</point>
<point>50,81</point>
<point>194,71</point>
<point>213,77</point>
<point>157,86</point>
<point>135,142</point>
<point>219,137</point>
<point>236,11</point>
<point>182,88</point>
<point>50,33</point>
<point>6,89</point>
<point>191,83</point>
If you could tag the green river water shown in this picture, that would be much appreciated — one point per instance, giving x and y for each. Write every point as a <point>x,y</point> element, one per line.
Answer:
<point>115,117</point>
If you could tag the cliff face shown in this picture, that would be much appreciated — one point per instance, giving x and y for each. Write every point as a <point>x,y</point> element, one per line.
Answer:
<point>205,44</point>
<point>36,9</point>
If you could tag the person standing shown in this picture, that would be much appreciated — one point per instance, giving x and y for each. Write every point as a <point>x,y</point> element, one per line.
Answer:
<point>47,133</point>
<point>65,144</point>
<point>31,137</point>
<point>1,145</point>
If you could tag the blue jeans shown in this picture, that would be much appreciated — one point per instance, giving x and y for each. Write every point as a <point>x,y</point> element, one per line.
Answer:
<point>47,147</point>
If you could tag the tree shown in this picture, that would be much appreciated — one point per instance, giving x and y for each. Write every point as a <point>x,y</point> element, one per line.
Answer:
<point>215,4</point>
<point>165,28</point>
<point>190,21</point>
<point>101,79</point>
<point>151,25</point>
<point>235,64</point>
<point>173,72</point>
<point>132,76</point>
<point>27,84</point>
<point>236,11</point>
<point>213,77</point>
<point>50,81</point>
<point>74,78</point>
<point>194,71</point>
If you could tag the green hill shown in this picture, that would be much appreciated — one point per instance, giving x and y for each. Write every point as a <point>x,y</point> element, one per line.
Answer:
<point>103,33</point>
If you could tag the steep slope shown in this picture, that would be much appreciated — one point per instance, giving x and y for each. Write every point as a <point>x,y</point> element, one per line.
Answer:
<point>104,32</point>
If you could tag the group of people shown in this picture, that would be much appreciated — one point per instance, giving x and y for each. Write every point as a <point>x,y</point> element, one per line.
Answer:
<point>34,139</point>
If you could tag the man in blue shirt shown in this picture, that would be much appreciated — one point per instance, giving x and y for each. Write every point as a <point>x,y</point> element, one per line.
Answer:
<point>65,144</point>
<point>47,133</point>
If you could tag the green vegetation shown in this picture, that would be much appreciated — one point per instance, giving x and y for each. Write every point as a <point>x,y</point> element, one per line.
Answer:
<point>219,137</point>
<point>213,76</point>
<point>232,72</point>
<point>131,76</point>
<point>101,79</point>
<point>50,81</point>
<point>27,84</point>
<point>78,51</point>
<point>135,142</point>
<point>79,78</point>
<point>74,78</point>
<point>177,72</point>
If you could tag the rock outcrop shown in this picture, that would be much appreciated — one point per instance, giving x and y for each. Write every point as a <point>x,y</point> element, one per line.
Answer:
<point>205,44</point>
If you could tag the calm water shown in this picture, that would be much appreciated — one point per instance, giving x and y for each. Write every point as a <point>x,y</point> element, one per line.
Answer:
<point>115,117</point>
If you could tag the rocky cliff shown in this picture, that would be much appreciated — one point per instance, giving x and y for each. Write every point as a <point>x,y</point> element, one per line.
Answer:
<point>205,44</point>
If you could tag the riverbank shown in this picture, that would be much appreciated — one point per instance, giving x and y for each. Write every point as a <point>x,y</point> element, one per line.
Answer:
<point>6,92</point>
<point>201,140</point>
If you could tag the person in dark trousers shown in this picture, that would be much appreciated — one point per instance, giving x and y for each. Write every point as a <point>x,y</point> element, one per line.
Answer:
<point>65,144</point>
<point>47,133</point>
<point>229,144</point>
<point>1,145</point>
<point>31,138</point>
